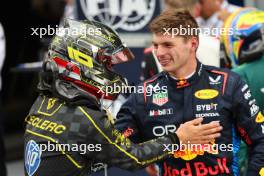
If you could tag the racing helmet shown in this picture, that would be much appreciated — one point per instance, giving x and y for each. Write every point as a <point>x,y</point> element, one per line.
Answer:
<point>79,61</point>
<point>243,39</point>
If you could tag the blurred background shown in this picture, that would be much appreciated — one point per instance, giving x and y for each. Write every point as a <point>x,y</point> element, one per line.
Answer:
<point>19,81</point>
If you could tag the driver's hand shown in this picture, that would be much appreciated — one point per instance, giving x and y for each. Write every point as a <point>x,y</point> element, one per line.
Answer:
<point>194,132</point>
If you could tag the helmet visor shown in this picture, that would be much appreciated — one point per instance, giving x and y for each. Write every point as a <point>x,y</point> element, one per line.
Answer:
<point>122,55</point>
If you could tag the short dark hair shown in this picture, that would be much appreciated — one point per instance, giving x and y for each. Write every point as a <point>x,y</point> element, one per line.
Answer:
<point>180,18</point>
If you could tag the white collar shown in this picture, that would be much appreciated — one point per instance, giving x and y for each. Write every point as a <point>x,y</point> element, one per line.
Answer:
<point>187,77</point>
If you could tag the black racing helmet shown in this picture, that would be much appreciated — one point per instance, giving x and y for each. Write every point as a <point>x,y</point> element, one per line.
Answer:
<point>81,56</point>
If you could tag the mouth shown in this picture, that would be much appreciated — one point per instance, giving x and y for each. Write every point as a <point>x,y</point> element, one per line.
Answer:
<point>164,62</point>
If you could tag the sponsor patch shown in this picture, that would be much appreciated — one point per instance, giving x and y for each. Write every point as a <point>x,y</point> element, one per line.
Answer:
<point>252,102</point>
<point>182,83</point>
<point>128,132</point>
<point>97,167</point>
<point>215,81</point>
<point>190,154</point>
<point>32,157</point>
<point>51,103</point>
<point>163,130</point>
<point>160,98</point>
<point>261,172</point>
<point>260,118</point>
<point>262,127</point>
<point>216,114</point>
<point>206,94</point>
<point>120,138</point>
<point>254,109</point>
<point>206,107</point>
<point>245,87</point>
<point>247,95</point>
<point>198,168</point>
<point>160,112</point>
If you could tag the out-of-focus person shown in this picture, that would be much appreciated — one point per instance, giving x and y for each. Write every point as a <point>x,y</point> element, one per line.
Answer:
<point>214,12</point>
<point>69,9</point>
<point>51,10</point>
<point>2,146</point>
<point>245,50</point>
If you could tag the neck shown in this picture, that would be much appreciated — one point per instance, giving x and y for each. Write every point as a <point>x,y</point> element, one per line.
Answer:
<point>185,70</point>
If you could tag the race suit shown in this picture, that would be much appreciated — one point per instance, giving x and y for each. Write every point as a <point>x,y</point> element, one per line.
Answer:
<point>212,93</point>
<point>251,72</point>
<point>85,135</point>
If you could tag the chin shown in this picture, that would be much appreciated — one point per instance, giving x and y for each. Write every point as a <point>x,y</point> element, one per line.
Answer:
<point>167,69</point>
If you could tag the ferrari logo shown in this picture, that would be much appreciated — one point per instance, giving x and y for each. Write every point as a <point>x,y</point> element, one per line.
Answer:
<point>51,103</point>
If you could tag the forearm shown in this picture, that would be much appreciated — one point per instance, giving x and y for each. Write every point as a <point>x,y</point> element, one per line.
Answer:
<point>135,156</point>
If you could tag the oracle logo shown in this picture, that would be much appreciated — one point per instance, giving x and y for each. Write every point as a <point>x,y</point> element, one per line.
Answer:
<point>163,130</point>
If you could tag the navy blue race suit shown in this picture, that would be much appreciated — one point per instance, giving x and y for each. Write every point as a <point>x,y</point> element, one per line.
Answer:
<point>213,93</point>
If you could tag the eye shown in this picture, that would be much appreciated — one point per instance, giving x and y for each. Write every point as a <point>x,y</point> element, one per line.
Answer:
<point>155,46</point>
<point>168,45</point>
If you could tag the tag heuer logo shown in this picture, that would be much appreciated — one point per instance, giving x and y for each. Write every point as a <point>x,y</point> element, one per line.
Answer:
<point>160,98</point>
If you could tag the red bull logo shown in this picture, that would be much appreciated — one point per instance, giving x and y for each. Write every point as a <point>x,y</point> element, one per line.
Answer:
<point>198,169</point>
<point>182,83</point>
<point>195,150</point>
<point>128,132</point>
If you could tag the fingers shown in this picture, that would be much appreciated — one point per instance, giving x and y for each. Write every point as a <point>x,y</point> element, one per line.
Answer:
<point>209,132</point>
<point>212,130</point>
<point>206,139</point>
<point>202,142</point>
<point>197,121</point>
<point>209,126</point>
<point>210,137</point>
<point>195,131</point>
